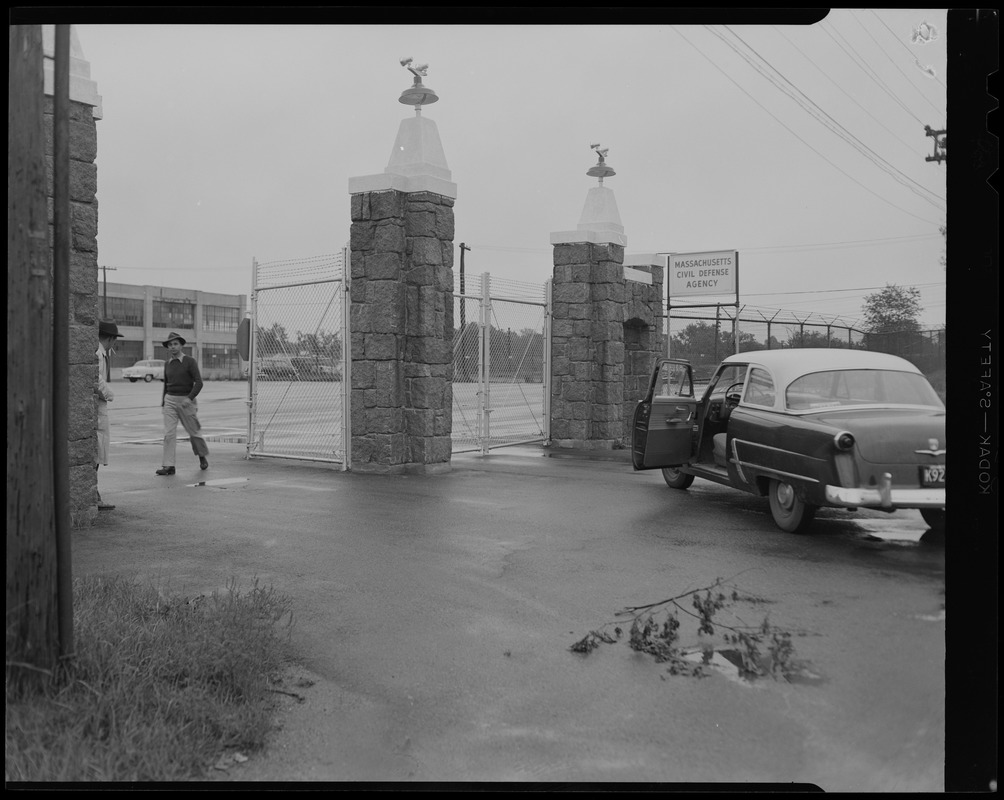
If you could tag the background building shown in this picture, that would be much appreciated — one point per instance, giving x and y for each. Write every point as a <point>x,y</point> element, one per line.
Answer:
<point>147,314</point>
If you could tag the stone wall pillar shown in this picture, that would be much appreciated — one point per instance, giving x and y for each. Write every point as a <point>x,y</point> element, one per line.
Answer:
<point>606,332</point>
<point>402,331</point>
<point>644,331</point>
<point>85,109</point>
<point>587,345</point>
<point>606,325</point>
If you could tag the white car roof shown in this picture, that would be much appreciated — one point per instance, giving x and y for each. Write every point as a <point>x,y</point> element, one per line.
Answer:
<point>787,365</point>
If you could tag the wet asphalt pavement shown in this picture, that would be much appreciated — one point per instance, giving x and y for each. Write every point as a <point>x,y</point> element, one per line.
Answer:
<point>434,616</point>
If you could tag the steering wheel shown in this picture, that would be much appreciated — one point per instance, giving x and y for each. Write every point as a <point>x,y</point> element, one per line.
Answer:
<point>734,393</point>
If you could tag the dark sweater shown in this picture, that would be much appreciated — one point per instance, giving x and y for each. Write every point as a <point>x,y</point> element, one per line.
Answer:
<point>182,377</point>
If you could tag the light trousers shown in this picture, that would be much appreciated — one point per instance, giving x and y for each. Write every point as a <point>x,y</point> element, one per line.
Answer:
<point>104,433</point>
<point>185,411</point>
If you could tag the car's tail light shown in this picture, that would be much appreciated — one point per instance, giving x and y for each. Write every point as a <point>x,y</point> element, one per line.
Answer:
<point>843,440</point>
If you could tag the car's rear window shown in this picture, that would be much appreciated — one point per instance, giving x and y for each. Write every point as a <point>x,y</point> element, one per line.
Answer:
<point>851,387</point>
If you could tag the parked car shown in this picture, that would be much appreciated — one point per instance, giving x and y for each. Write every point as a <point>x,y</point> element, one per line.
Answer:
<point>148,370</point>
<point>310,368</point>
<point>276,369</point>
<point>805,427</point>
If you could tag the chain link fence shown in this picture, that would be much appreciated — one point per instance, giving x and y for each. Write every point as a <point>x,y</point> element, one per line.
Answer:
<point>500,364</point>
<point>299,370</point>
<point>704,336</point>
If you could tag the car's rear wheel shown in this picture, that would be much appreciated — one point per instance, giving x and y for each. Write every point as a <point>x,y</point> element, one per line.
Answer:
<point>133,380</point>
<point>147,378</point>
<point>675,479</point>
<point>790,512</point>
<point>934,517</point>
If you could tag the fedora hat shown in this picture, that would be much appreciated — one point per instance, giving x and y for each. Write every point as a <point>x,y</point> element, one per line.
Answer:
<point>108,328</point>
<point>172,335</point>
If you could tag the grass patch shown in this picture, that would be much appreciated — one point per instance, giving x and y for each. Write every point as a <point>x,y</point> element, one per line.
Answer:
<point>158,688</point>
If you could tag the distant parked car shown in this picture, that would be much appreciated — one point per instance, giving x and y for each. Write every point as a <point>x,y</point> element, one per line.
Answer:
<point>309,368</point>
<point>276,369</point>
<point>147,370</point>
<point>806,427</point>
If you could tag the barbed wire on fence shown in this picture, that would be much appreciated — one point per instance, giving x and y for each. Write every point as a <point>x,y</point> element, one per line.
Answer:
<point>505,288</point>
<point>704,335</point>
<point>316,269</point>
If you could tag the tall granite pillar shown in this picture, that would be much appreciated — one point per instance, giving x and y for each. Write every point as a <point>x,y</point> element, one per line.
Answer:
<point>606,326</point>
<point>85,110</point>
<point>401,245</point>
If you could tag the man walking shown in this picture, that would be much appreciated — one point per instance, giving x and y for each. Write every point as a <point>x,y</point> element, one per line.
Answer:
<point>182,384</point>
<point>108,332</point>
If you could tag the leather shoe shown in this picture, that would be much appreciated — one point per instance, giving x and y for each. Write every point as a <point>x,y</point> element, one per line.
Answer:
<point>203,462</point>
<point>165,471</point>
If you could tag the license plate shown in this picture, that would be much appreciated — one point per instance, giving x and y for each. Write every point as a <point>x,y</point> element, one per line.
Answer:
<point>933,475</point>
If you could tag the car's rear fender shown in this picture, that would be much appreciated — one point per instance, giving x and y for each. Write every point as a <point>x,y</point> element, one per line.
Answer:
<point>765,446</point>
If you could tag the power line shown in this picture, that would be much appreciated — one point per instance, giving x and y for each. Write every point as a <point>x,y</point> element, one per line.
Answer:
<point>846,94</point>
<point>832,291</point>
<point>829,122</point>
<point>834,245</point>
<point>813,149</point>
<point>764,248</point>
<point>860,63</point>
<point>894,36</point>
<point>886,54</point>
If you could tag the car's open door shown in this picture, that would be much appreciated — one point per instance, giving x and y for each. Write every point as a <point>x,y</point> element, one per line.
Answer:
<point>664,422</point>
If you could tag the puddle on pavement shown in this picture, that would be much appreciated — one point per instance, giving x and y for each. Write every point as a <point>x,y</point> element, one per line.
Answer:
<point>728,663</point>
<point>222,483</point>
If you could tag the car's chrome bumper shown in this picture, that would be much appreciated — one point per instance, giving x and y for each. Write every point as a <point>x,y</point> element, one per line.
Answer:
<point>884,496</point>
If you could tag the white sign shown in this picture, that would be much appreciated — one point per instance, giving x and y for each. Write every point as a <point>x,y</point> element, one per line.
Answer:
<point>703,273</point>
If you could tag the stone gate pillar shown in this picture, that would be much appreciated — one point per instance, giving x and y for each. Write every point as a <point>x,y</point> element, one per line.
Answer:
<point>606,325</point>
<point>401,253</point>
<point>85,110</point>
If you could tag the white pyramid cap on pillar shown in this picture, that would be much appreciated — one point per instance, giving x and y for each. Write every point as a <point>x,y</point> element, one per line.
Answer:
<point>600,222</point>
<point>82,88</point>
<point>417,163</point>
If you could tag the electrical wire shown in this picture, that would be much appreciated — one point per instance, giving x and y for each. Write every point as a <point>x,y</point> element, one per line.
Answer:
<point>860,63</point>
<point>940,111</point>
<point>829,122</point>
<point>813,149</point>
<point>894,36</point>
<point>848,95</point>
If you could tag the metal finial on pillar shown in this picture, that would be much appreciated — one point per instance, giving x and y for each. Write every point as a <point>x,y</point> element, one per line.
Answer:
<point>417,94</point>
<point>602,169</point>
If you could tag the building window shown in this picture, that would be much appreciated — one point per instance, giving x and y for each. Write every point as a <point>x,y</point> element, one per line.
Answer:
<point>223,319</point>
<point>161,352</point>
<point>126,353</point>
<point>125,311</point>
<point>173,314</point>
<point>220,360</point>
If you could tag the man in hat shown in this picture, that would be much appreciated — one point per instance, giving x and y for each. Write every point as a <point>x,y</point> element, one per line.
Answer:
<point>182,384</point>
<point>108,332</point>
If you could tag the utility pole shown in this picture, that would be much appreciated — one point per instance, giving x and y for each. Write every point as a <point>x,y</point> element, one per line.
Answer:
<point>105,270</point>
<point>463,310</point>
<point>940,144</point>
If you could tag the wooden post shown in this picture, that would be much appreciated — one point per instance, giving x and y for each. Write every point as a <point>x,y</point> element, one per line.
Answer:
<point>32,612</point>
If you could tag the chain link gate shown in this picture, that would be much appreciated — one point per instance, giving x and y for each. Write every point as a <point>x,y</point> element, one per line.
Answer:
<point>300,366</point>
<point>501,365</point>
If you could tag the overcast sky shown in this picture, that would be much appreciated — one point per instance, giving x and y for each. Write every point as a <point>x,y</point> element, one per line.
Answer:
<point>802,147</point>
